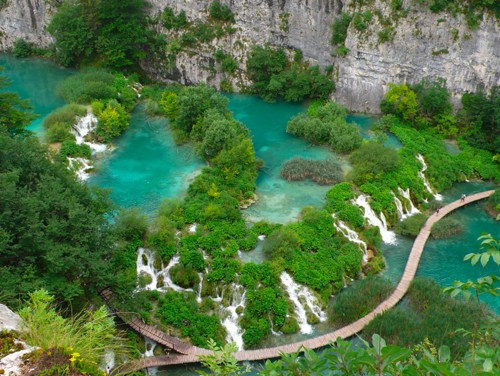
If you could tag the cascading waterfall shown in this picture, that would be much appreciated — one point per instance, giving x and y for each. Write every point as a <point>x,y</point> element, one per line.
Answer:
<point>352,235</point>
<point>406,195</point>
<point>81,166</point>
<point>82,128</point>
<point>436,195</point>
<point>388,236</point>
<point>231,322</point>
<point>296,291</point>
<point>146,266</point>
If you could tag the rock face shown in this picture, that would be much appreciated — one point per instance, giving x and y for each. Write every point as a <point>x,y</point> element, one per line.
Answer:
<point>9,320</point>
<point>422,44</point>
<point>24,19</point>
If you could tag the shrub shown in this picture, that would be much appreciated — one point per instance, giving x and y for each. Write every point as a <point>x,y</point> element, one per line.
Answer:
<point>65,115</point>
<point>86,86</point>
<point>446,227</point>
<point>131,224</point>
<point>411,226</point>
<point>113,120</point>
<point>69,148</point>
<point>58,132</point>
<point>339,29</point>
<point>220,12</point>
<point>326,172</point>
<point>344,137</point>
<point>359,299</point>
<point>22,48</point>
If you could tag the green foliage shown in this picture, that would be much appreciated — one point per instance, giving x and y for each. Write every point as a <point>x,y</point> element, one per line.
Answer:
<point>411,226</point>
<point>325,123</point>
<point>56,230</point>
<point>15,113</point>
<point>481,112</point>
<point>222,362</point>
<point>446,227</point>
<point>220,12</point>
<point>386,34</point>
<point>131,224</point>
<point>173,21</point>
<point>400,100</point>
<point>59,122</point>
<point>86,86</point>
<point>429,314</point>
<point>325,172</point>
<point>182,312</point>
<point>22,48</point>
<point>359,299</point>
<point>433,98</point>
<point>85,337</point>
<point>371,160</point>
<point>361,20</point>
<point>339,29</point>
<point>69,148</point>
<point>113,120</point>
<point>115,32</point>
<point>274,76</point>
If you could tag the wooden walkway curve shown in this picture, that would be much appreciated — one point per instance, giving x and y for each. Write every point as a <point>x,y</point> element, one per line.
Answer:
<point>191,355</point>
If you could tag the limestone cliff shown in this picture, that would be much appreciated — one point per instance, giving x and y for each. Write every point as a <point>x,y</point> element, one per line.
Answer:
<point>24,19</point>
<point>418,43</point>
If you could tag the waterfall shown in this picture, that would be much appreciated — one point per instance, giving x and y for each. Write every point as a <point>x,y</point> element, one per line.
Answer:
<point>150,346</point>
<point>218,298</point>
<point>406,195</point>
<point>145,266</point>
<point>436,195</point>
<point>81,167</point>
<point>350,234</point>
<point>82,128</point>
<point>399,206</point>
<point>231,322</point>
<point>200,286</point>
<point>388,236</point>
<point>295,292</point>
<point>192,228</point>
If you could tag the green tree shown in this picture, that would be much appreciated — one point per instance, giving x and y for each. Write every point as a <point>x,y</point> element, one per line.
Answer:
<point>400,100</point>
<point>15,113</point>
<point>371,160</point>
<point>55,232</point>
<point>433,98</point>
<point>113,120</point>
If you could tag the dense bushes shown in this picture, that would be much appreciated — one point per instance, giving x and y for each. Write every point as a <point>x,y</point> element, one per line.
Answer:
<point>359,299</point>
<point>182,312</point>
<point>372,160</point>
<point>115,32</point>
<point>325,124</point>
<point>446,227</point>
<point>59,122</point>
<point>322,172</point>
<point>274,76</point>
<point>429,314</point>
<point>54,229</point>
<point>87,85</point>
<point>411,226</point>
<point>112,118</point>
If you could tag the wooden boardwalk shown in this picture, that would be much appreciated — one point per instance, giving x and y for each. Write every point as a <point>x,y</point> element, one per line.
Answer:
<point>190,355</point>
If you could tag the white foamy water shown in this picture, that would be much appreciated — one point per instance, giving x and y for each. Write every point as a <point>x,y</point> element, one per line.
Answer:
<point>409,209</point>
<point>351,235</point>
<point>421,174</point>
<point>81,166</point>
<point>388,236</point>
<point>82,128</point>
<point>232,320</point>
<point>295,292</point>
<point>146,266</point>
<point>149,352</point>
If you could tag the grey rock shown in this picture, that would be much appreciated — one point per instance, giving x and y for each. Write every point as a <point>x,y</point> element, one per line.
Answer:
<point>9,320</point>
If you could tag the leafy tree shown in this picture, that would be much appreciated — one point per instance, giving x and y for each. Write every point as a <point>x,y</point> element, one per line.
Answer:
<point>400,100</point>
<point>433,97</point>
<point>114,31</point>
<point>55,232</point>
<point>113,121</point>
<point>14,112</point>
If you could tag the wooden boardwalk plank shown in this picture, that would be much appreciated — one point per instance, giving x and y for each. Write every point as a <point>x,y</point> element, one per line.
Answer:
<point>189,353</point>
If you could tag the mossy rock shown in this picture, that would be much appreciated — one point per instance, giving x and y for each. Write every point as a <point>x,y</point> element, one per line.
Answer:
<point>144,279</point>
<point>311,317</point>
<point>290,326</point>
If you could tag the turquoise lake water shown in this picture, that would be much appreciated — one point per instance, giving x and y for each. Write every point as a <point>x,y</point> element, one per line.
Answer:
<point>36,80</point>
<point>147,167</point>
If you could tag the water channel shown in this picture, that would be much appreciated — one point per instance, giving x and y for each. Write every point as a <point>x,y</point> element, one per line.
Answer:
<point>147,166</point>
